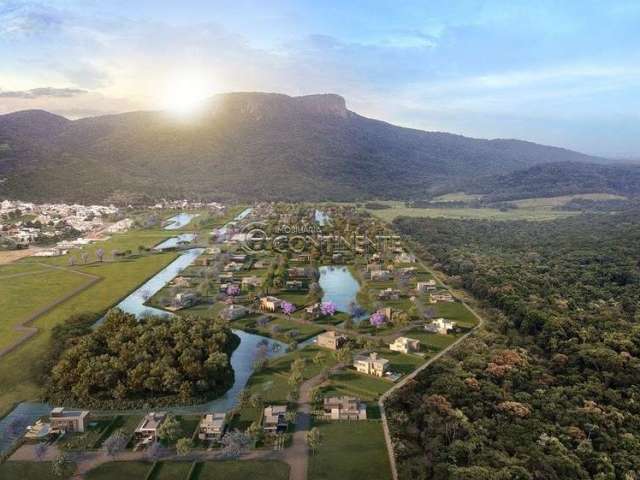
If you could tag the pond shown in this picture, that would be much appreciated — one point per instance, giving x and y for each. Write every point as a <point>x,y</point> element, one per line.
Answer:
<point>181,220</point>
<point>338,286</point>
<point>173,242</point>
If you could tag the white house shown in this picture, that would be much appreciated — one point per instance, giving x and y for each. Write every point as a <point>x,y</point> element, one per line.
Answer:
<point>440,325</point>
<point>405,345</point>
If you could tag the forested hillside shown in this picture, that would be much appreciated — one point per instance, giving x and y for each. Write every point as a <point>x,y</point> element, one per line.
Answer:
<point>550,388</point>
<point>246,146</point>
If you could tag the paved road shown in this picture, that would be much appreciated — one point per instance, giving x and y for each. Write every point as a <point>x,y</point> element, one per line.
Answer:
<point>412,375</point>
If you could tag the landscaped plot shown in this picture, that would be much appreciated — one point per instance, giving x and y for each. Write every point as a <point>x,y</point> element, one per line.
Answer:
<point>400,362</point>
<point>366,387</point>
<point>95,433</point>
<point>458,312</point>
<point>350,451</point>
<point>29,470</point>
<point>279,328</point>
<point>242,470</point>
<point>24,296</point>
<point>171,471</point>
<point>120,471</point>
<point>433,342</point>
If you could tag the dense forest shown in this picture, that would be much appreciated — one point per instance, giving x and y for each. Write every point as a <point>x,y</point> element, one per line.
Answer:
<point>549,388</point>
<point>128,362</point>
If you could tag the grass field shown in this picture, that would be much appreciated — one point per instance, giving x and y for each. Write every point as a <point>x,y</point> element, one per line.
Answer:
<point>553,202</point>
<point>35,289</point>
<point>28,471</point>
<point>120,471</point>
<point>350,382</point>
<point>171,471</point>
<point>242,470</point>
<point>398,209</point>
<point>19,369</point>
<point>350,451</point>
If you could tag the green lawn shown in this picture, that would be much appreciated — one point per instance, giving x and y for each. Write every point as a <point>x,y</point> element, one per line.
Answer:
<point>366,387</point>
<point>304,330</point>
<point>243,470</point>
<point>433,342</point>
<point>24,296</point>
<point>400,362</point>
<point>119,471</point>
<point>171,471</point>
<point>350,451</point>
<point>27,471</point>
<point>456,311</point>
<point>19,369</point>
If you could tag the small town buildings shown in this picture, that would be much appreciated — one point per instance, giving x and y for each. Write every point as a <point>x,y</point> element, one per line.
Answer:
<point>389,294</point>
<point>371,364</point>
<point>344,408</point>
<point>204,261</point>
<point>405,257</point>
<point>270,304</point>
<point>442,296</point>
<point>262,263</point>
<point>380,275</point>
<point>185,299</point>
<point>405,345</point>
<point>440,325</point>
<point>297,272</point>
<point>274,419</point>
<point>211,427</point>
<point>63,420</point>
<point>374,267</point>
<point>314,310</point>
<point>294,285</point>
<point>251,281</point>
<point>234,312</point>
<point>238,257</point>
<point>233,267</point>
<point>147,431</point>
<point>331,340</point>
<point>423,287</point>
<point>337,258</point>
<point>183,282</point>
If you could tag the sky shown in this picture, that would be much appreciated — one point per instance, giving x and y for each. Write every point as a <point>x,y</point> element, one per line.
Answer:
<point>564,73</point>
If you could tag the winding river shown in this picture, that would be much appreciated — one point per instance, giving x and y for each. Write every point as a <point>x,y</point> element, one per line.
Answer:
<point>242,358</point>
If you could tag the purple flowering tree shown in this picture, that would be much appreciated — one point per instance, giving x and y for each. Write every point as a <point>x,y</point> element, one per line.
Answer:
<point>328,308</point>
<point>288,308</point>
<point>377,319</point>
<point>233,290</point>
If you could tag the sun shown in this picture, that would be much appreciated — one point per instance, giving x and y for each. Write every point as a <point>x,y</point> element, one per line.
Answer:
<point>184,94</point>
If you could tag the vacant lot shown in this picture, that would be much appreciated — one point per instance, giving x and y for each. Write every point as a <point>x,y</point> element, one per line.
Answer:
<point>28,471</point>
<point>350,451</point>
<point>24,293</point>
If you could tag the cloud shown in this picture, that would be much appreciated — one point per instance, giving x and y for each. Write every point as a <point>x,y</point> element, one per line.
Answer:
<point>43,92</point>
<point>19,19</point>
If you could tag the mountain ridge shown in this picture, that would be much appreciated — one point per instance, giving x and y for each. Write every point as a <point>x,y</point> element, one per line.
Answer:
<point>248,145</point>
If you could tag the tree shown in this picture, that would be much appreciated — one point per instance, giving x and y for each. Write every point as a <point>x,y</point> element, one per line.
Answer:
<point>85,257</point>
<point>184,446</point>
<point>313,439</point>
<point>288,308</point>
<point>256,400</point>
<point>41,451</point>
<point>170,430</point>
<point>62,466</point>
<point>234,444</point>
<point>115,443</point>
<point>100,254</point>
<point>328,308</point>
<point>377,319</point>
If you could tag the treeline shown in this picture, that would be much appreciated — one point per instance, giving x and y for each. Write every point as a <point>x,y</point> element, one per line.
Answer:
<point>549,390</point>
<point>128,363</point>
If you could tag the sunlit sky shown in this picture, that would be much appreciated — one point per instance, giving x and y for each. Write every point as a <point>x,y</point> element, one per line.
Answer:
<point>565,73</point>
